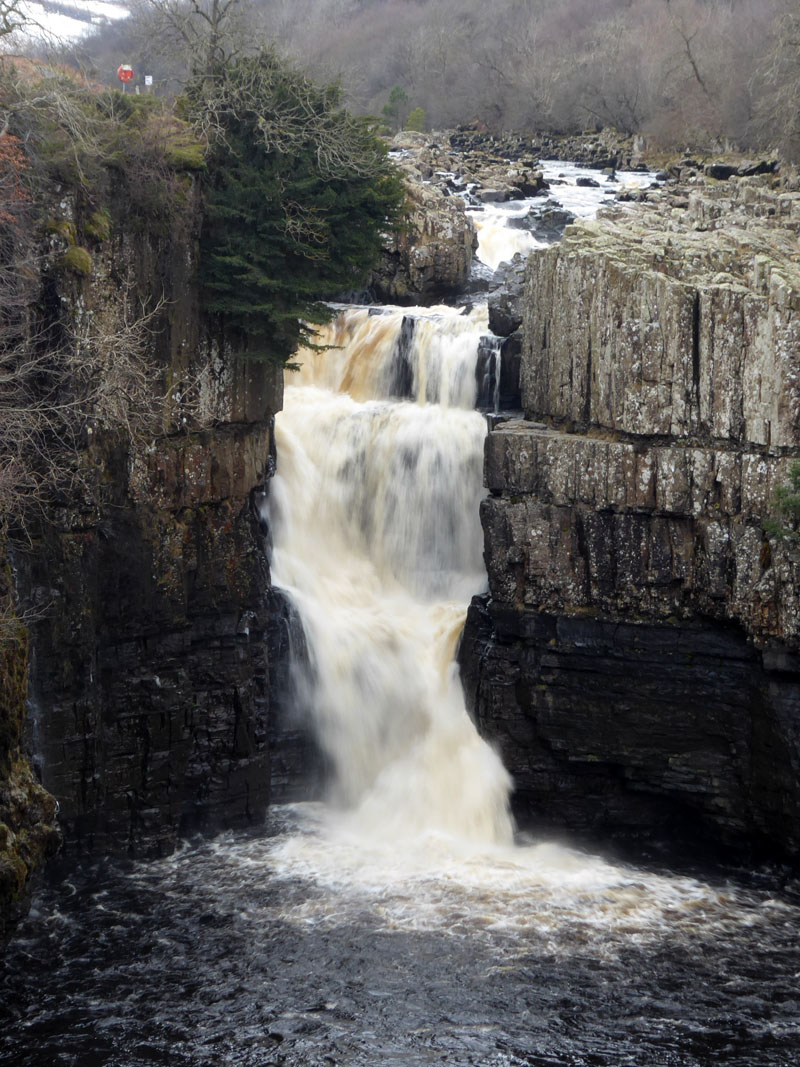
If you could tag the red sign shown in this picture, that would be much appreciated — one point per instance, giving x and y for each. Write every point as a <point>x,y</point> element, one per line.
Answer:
<point>124,72</point>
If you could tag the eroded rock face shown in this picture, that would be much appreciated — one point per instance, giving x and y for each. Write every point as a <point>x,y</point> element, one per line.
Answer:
<point>676,332</point>
<point>505,297</point>
<point>638,657</point>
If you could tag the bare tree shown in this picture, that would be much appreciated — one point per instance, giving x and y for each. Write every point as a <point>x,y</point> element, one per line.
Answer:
<point>776,83</point>
<point>203,33</point>
<point>13,16</point>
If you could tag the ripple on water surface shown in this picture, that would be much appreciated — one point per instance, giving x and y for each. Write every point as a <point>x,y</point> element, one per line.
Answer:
<point>307,946</point>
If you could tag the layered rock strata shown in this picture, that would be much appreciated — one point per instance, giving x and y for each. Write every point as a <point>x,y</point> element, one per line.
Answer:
<point>604,148</point>
<point>638,657</point>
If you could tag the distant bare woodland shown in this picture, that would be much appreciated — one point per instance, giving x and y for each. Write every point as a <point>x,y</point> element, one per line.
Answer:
<point>683,72</point>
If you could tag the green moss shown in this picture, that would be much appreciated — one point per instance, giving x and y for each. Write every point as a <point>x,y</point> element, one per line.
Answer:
<point>76,260</point>
<point>184,151</point>
<point>98,226</point>
<point>61,228</point>
<point>6,837</point>
<point>13,686</point>
<point>13,874</point>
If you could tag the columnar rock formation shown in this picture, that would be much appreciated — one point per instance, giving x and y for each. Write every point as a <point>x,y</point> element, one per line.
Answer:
<point>638,656</point>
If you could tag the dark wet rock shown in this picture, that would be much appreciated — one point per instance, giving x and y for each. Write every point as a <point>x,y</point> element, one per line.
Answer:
<point>744,169</point>
<point>632,196</point>
<point>28,833</point>
<point>634,727</point>
<point>532,183</point>
<point>720,171</point>
<point>510,362</point>
<point>498,196</point>
<point>546,223</point>
<point>587,183</point>
<point>751,168</point>
<point>605,149</point>
<point>487,371</point>
<point>298,768</point>
<point>149,665</point>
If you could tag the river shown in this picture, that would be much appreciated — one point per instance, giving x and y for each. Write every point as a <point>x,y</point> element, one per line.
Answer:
<point>404,921</point>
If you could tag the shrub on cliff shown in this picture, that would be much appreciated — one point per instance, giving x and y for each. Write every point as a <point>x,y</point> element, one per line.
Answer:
<point>784,523</point>
<point>298,194</point>
<point>120,159</point>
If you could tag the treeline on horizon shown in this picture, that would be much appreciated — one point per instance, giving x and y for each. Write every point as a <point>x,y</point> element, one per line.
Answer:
<point>705,73</point>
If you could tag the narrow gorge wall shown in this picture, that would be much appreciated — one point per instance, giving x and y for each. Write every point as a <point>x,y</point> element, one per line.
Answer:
<point>638,656</point>
<point>149,680</point>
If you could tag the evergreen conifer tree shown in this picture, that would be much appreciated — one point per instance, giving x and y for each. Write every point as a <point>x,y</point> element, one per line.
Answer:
<point>298,197</point>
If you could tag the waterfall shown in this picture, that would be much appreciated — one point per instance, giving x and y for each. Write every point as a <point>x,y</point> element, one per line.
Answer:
<point>377,542</point>
<point>425,354</point>
<point>374,513</point>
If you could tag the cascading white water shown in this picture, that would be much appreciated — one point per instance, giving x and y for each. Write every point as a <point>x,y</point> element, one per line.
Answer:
<point>427,354</point>
<point>498,239</point>
<point>377,540</point>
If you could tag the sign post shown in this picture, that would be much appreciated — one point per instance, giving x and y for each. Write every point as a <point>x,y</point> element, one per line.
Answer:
<point>125,74</point>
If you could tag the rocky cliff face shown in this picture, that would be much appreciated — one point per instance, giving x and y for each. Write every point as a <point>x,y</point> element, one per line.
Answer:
<point>149,681</point>
<point>638,657</point>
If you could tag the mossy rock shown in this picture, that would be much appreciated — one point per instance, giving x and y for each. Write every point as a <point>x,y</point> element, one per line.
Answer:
<point>13,875</point>
<point>76,260</point>
<point>13,687</point>
<point>28,832</point>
